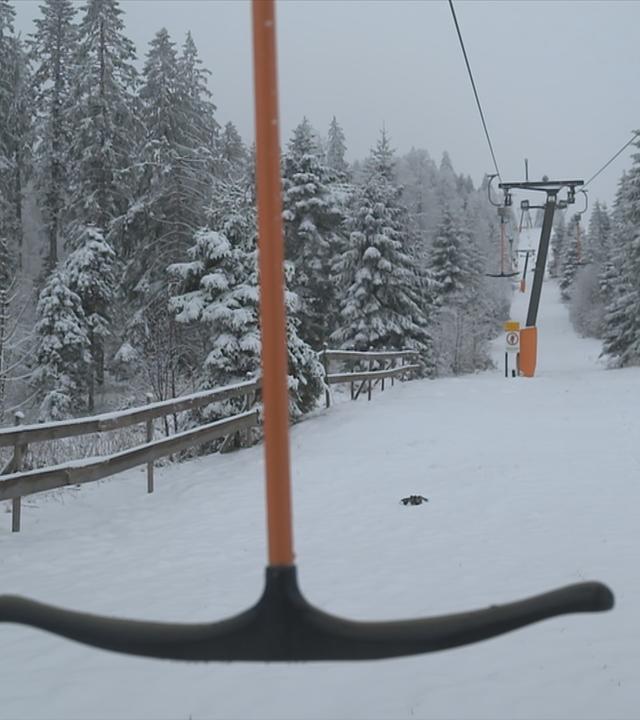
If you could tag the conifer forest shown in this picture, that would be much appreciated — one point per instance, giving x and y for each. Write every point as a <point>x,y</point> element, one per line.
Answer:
<point>128,232</point>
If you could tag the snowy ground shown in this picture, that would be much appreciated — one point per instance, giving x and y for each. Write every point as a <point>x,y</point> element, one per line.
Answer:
<point>532,483</point>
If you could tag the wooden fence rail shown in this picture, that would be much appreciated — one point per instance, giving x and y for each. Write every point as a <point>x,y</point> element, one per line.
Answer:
<point>76,472</point>
<point>41,432</point>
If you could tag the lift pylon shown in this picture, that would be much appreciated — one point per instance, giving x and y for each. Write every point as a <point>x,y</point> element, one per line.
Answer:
<point>529,334</point>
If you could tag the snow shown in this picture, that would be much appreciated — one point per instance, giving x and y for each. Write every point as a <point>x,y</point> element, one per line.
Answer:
<point>532,484</point>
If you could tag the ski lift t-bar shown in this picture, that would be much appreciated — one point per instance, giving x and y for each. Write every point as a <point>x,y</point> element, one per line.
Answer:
<point>283,625</point>
<point>528,336</point>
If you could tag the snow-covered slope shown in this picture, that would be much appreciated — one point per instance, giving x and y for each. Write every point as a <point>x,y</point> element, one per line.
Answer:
<point>532,483</point>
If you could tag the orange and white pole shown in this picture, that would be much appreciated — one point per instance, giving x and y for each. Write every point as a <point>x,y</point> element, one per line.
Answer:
<point>272,304</point>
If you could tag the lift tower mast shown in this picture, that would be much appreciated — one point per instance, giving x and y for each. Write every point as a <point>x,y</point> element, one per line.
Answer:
<point>528,336</point>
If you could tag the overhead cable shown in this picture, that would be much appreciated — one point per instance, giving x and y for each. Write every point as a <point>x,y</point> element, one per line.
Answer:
<point>606,165</point>
<point>475,91</point>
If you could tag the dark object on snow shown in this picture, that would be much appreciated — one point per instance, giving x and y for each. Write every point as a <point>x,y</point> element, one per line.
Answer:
<point>414,500</point>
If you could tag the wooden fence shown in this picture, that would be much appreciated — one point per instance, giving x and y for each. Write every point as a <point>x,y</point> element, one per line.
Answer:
<point>380,365</point>
<point>17,482</point>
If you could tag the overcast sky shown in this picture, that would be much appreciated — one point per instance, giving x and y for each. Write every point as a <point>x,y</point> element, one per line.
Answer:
<point>558,80</point>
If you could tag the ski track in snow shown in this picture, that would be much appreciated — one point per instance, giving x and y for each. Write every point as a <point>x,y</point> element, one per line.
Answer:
<point>532,484</point>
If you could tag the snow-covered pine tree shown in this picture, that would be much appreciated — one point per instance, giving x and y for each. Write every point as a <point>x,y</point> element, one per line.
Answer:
<point>7,47</point>
<point>312,225</point>
<point>177,156</point>
<point>15,132</point>
<point>89,271</point>
<point>7,210</point>
<point>103,116</point>
<point>336,150</point>
<point>449,190</point>
<point>233,156</point>
<point>599,234</point>
<point>151,223</point>
<point>601,243</point>
<point>385,305</point>
<point>589,294</point>
<point>62,354</point>
<point>219,291</point>
<point>174,190</point>
<point>306,373</point>
<point>558,240</point>
<point>418,175</point>
<point>15,146</point>
<point>53,48</point>
<point>20,136</point>
<point>466,314</point>
<point>570,261</point>
<point>198,125</point>
<point>621,341</point>
<point>449,261</point>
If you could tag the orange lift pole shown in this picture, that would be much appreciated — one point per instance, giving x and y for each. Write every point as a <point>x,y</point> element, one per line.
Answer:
<point>272,303</point>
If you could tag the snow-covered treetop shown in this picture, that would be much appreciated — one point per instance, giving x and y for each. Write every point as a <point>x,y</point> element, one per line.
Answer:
<point>381,161</point>
<point>336,148</point>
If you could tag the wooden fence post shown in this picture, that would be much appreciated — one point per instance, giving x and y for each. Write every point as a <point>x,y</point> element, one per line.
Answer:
<point>325,365</point>
<point>18,458</point>
<point>370,368</point>
<point>249,401</point>
<point>393,364</point>
<point>149,439</point>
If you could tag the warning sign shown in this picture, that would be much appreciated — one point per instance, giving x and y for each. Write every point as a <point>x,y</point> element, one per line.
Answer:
<point>513,341</point>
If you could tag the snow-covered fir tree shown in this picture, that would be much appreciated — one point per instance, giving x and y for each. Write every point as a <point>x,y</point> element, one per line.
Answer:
<point>219,291</point>
<point>385,303</point>
<point>89,271</point>
<point>104,118</point>
<point>588,294</point>
<point>451,190</point>
<point>176,155</point>
<point>621,341</point>
<point>558,239</point>
<point>466,310</point>
<point>233,156</point>
<point>449,259</point>
<point>15,133</point>
<point>62,353</point>
<point>602,249</point>
<point>7,209</point>
<point>336,150</point>
<point>599,233</point>
<point>312,226</point>
<point>199,125</point>
<point>53,47</point>
<point>571,257</point>
<point>418,175</point>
